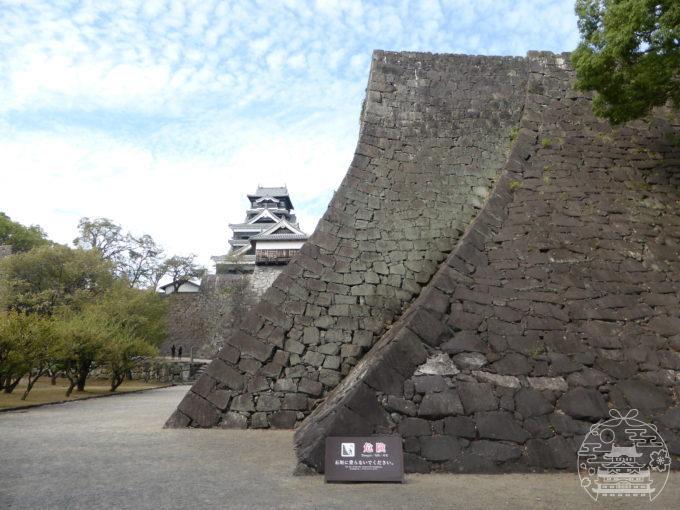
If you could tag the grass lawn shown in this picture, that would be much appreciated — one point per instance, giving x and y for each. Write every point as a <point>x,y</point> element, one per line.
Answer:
<point>43,392</point>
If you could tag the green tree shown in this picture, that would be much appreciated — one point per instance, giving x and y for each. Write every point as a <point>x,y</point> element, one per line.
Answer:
<point>101,235</point>
<point>81,337</point>
<point>141,313</point>
<point>19,237</point>
<point>181,270</point>
<point>39,350</point>
<point>14,330</point>
<point>630,54</point>
<point>141,262</point>
<point>134,258</point>
<point>52,276</point>
<point>121,353</point>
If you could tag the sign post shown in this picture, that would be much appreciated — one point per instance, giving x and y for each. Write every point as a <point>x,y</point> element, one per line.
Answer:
<point>364,459</point>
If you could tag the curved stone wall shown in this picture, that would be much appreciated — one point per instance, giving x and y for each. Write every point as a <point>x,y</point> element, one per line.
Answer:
<point>435,133</point>
<point>560,302</point>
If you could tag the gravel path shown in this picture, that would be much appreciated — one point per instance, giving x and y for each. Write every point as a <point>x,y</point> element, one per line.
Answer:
<point>113,453</point>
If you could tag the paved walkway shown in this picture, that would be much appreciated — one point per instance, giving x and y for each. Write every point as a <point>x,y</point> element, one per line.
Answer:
<point>112,453</point>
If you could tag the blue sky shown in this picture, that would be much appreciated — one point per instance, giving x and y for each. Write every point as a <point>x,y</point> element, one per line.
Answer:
<point>163,114</point>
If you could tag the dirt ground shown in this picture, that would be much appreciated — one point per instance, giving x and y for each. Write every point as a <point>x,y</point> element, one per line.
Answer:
<point>113,453</point>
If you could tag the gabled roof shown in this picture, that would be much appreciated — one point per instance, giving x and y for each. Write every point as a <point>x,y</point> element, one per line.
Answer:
<point>190,282</point>
<point>283,224</point>
<point>265,213</point>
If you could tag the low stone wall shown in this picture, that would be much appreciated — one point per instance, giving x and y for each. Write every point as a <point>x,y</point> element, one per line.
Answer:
<point>168,371</point>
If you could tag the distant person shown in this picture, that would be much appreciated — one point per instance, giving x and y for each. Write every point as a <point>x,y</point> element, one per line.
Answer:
<point>179,352</point>
<point>172,350</point>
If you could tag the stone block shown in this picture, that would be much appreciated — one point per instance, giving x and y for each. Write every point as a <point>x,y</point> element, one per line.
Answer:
<point>294,346</point>
<point>530,402</point>
<point>500,425</point>
<point>285,384</point>
<point>430,383</point>
<point>460,426</point>
<point>310,387</point>
<point>329,377</point>
<point>439,405</point>
<point>249,346</point>
<point>233,420</point>
<point>202,413</point>
<point>439,448</point>
<point>283,419</point>
<point>313,358</point>
<point>477,397</point>
<point>219,398</point>
<point>414,427</point>
<point>400,405</point>
<point>226,374</point>
<point>259,421</point>
<point>243,403</point>
<point>295,402</point>
<point>583,403</point>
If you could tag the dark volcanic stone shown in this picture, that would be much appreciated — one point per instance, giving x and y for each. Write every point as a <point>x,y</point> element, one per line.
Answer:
<point>295,401</point>
<point>512,364</point>
<point>567,426</point>
<point>464,341</point>
<point>477,397</point>
<point>555,453</point>
<point>226,374</point>
<point>530,403</point>
<point>587,377</point>
<point>583,403</point>
<point>234,421</point>
<point>310,387</point>
<point>414,427</point>
<point>500,425</point>
<point>438,405</point>
<point>460,426</point>
<point>643,395</point>
<point>671,418</point>
<point>495,450</point>
<point>400,405</point>
<point>202,412</point>
<point>283,419</point>
<point>415,464</point>
<point>429,383</point>
<point>439,448</point>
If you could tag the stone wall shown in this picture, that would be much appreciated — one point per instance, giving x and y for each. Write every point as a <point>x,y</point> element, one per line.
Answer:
<point>199,321</point>
<point>435,133</point>
<point>559,303</point>
<point>517,295</point>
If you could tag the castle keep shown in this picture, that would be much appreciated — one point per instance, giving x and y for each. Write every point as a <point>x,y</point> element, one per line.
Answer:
<point>498,269</point>
<point>270,235</point>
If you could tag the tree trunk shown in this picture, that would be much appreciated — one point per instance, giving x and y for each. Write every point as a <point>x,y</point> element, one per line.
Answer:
<point>116,380</point>
<point>82,375</point>
<point>31,382</point>
<point>71,385</point>
<point>53,378</point>
<point>9,386</point>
